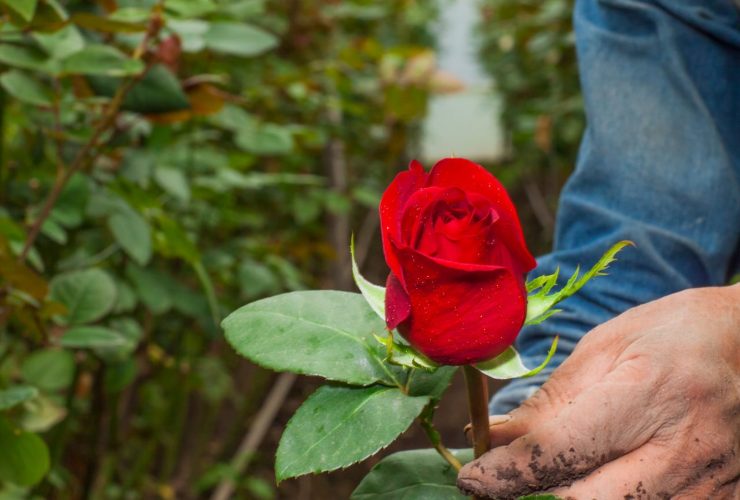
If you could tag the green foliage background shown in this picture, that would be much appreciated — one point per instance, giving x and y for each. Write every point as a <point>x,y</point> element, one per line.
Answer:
<point>162,164</point>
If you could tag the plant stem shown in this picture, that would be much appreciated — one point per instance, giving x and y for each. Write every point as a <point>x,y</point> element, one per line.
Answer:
<point>88,153</point>
<point>436,440</point>
<point>477,386</point>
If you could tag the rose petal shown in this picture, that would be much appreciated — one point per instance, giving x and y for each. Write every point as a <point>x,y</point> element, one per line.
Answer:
<point>460,313</point>
<point>471,177</point>
<point>397,304</point>
<point>394,198</point>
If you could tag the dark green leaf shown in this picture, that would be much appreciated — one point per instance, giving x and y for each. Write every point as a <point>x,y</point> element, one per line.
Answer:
<point>416,474</point>
<point>325,333</point>
<point>338,426</point>
<point>158,91</point>
<point>421,382</point>
<point>120,375</point>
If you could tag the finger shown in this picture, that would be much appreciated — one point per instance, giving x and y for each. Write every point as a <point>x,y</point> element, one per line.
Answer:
<point>601,424</point>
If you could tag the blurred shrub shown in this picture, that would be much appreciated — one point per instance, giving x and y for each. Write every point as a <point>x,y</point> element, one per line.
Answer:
<point>160,164</point>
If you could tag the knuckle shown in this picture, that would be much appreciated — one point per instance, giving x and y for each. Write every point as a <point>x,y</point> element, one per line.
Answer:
<point>552,394</point>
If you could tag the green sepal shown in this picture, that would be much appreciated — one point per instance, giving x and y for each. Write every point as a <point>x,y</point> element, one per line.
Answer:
<point>374,294</point>
<point>509,364</point>
<point>540,301</point>
<point>404,355</point>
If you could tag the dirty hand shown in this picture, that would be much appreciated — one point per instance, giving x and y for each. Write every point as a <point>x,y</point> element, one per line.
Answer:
<point>646,407</point>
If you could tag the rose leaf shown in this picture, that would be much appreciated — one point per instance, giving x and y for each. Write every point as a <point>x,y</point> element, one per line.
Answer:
<point>338,426</point>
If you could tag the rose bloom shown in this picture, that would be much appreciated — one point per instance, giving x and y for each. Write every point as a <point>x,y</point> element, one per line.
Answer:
<point>458,259</point>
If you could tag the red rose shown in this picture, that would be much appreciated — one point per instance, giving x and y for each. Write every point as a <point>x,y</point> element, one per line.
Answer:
<point>458,258</point>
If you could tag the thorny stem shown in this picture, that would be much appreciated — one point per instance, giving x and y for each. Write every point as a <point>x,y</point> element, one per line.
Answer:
<point>477,386</point>
<point>436,439</point>
<point>84,156</point>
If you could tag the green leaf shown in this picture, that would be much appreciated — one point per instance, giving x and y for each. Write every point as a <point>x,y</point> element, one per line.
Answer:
<point>265,139</point>
<point>416,474</point>
<point>101,60</point>
<point>540,301</point>
<point>324,333</point>
<point>88,295</point>
<point>191,32</point>
<point>50,369</point>
<point>25,8</point>
<point>158,91</point>
<point>338,426</point>
<point>172,241</point>
<point>191,8</point>
<point>60,43</point>
<point>133,233</point>
<point>374,294</point>
<point>256,279</point>
<point>25,89</point>
<point>26,58</point>
<point>83,337</point>
<point>54,231</point>
<point>16,395</point>
<point>120,375</point>
<point>421,382</point>
<point>509,364</point>
<point>239,39</point>
<point>41,414</point>
<point>24,459</point>
<point>152,288</point>
<point>173,181</point>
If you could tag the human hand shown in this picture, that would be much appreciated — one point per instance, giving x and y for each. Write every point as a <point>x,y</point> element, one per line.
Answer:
<point>647,406</point>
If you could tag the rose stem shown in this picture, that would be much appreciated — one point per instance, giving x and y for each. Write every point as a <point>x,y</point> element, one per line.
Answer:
<point>477,386</point>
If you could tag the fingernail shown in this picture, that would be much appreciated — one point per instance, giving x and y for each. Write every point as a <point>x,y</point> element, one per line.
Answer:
<point>492,421</point>
<point>498,420</point>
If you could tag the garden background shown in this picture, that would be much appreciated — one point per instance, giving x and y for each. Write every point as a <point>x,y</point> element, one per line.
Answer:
<point>162,163</point>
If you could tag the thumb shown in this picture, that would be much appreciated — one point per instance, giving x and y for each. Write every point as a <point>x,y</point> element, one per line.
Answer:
<point>600,424</point>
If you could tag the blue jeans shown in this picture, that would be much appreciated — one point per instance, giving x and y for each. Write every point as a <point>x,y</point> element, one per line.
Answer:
<point>659,164</point>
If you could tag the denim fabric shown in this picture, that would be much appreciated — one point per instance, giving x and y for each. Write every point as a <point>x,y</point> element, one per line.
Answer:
<point>659,164</point>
